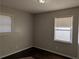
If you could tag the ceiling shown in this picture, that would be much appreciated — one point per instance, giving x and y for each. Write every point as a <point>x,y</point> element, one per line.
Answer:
<point>34,6</point>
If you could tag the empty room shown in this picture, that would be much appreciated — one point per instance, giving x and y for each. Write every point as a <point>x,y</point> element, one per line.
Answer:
<point>39,29</point>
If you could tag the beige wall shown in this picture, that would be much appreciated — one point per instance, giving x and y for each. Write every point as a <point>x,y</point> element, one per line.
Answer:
<point>44,32</point>
<point>21,35</point>
<point>78,42</point>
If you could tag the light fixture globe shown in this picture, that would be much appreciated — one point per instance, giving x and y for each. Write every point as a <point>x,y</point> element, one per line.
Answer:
<point>42,1</point>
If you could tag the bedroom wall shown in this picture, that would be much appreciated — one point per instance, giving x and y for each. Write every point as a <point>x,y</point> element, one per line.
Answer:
<point>44,32</point>
<point>21,36</point>
<point>78,42</point>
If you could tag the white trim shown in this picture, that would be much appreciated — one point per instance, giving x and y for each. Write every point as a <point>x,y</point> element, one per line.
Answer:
<point>56,52</point>
<point>63,28</point>
<point>14,52</point>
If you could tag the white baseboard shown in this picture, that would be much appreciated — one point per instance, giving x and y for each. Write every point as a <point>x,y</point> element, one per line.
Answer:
<point>39,48</point>
<point>14,52</point>
<point>56,53</point>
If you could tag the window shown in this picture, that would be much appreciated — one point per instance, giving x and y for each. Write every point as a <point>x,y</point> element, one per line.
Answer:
<point>63,29</point>
<point>5,23</point>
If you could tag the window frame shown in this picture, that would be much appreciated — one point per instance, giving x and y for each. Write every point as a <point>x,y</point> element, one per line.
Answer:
<point>71,32</point>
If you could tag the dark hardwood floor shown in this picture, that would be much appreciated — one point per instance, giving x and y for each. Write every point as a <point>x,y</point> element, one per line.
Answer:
<point>35,53</point>
<point>41,54</point>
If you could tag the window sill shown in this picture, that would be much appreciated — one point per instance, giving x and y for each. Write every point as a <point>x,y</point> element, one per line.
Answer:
<point>66,42</point>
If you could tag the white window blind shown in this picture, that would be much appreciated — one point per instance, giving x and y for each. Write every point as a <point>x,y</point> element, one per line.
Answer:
<point>5,23</point>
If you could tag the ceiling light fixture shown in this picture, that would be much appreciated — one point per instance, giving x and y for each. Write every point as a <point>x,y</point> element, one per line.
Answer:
<point>42,1</point>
